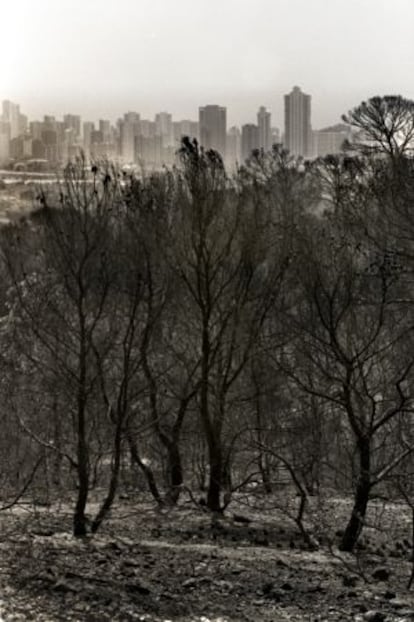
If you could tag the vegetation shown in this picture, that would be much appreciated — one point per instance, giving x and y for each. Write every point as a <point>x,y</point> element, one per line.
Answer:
<point>207,336</point>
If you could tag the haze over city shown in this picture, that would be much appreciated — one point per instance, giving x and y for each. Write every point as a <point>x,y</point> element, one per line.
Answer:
<point>98,59</point>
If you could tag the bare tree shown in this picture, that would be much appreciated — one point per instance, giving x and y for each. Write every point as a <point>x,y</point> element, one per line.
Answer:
<point>78,301</point>
<point>386,125</point>
<point>230,265</point>
<point>351,332</point>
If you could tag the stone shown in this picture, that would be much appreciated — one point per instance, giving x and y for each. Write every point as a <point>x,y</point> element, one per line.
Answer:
<point>375,616</point>
<point>381,574</point>
<point>349,581</point>
<point>389,595</point>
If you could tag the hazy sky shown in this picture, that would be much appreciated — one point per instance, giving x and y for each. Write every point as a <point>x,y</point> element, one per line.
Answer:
<point>100,58</point>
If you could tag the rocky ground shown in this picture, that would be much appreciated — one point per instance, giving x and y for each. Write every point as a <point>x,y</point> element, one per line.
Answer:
<point>178,565</point>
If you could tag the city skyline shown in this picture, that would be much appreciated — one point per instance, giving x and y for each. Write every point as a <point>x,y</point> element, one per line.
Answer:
<point>99,59</point>
<point>134,140</point>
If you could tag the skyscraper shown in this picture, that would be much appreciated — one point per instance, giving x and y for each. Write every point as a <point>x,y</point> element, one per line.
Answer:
<point>4,141</point>
<point>249,140</point>
<point>73,122</point>
<point>105,129</point>
<point>185,128</point>
<point>233,147</point>
<point>212,125</point>
<point>129,130</point>
<point>11,115</point>
<point>298,129</point>
<point>263,123</point>
<point>88,130</point>
<point>164,128</point>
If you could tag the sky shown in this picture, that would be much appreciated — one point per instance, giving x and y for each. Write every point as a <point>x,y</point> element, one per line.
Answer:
<point>101,58</point>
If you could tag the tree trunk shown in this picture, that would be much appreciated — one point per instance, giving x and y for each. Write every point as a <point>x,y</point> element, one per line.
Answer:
<point>211,429</point>
<point>216,476</point>
<point>356,522</point>
<point>148,474</point>
<point>175,469</point>
<point>79,518</point>
<point>264,469</point>
<point>113,483</point>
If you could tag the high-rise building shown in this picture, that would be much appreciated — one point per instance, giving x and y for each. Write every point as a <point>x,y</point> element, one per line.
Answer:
<point>265,133</point>
<point>164,128</point>
<point>147,128</point>
<point>88,130</point>
<point>52,138</point>
<point>73,122</point>
<point>36,128</point>
<point>21,147</point>
<point>11,115</point>
<point>4,141</point>
<point>185,128</point>
<point>298,129</point>
<point>249,140</point>
<point>233,147</point>
<point>129,130</point>
<point>212,127</point>
<point>22,124</point>
<point>330,140</point>
<point>275,136</point>
<point>105,129</point>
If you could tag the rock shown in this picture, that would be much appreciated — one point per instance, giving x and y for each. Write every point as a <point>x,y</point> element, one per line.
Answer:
<point>138,588</point>
<point>389,594</point>
<point>63,586</point>
<point>268,587</point>
<point>43,532</point>
<point>399,603</point>
<point>381,574</point>
<point>261,540</point>
<point>375,616</point>
<point>269,591</point>
<point>349,581</point>
<point>227,586</point>
<point>238,518</point>
<point>407,612</point>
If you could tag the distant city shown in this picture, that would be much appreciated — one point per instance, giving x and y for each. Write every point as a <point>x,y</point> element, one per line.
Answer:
<point>46,144</point>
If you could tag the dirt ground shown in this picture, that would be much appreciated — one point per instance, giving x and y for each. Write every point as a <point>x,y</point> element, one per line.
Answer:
<point>181,566</point>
